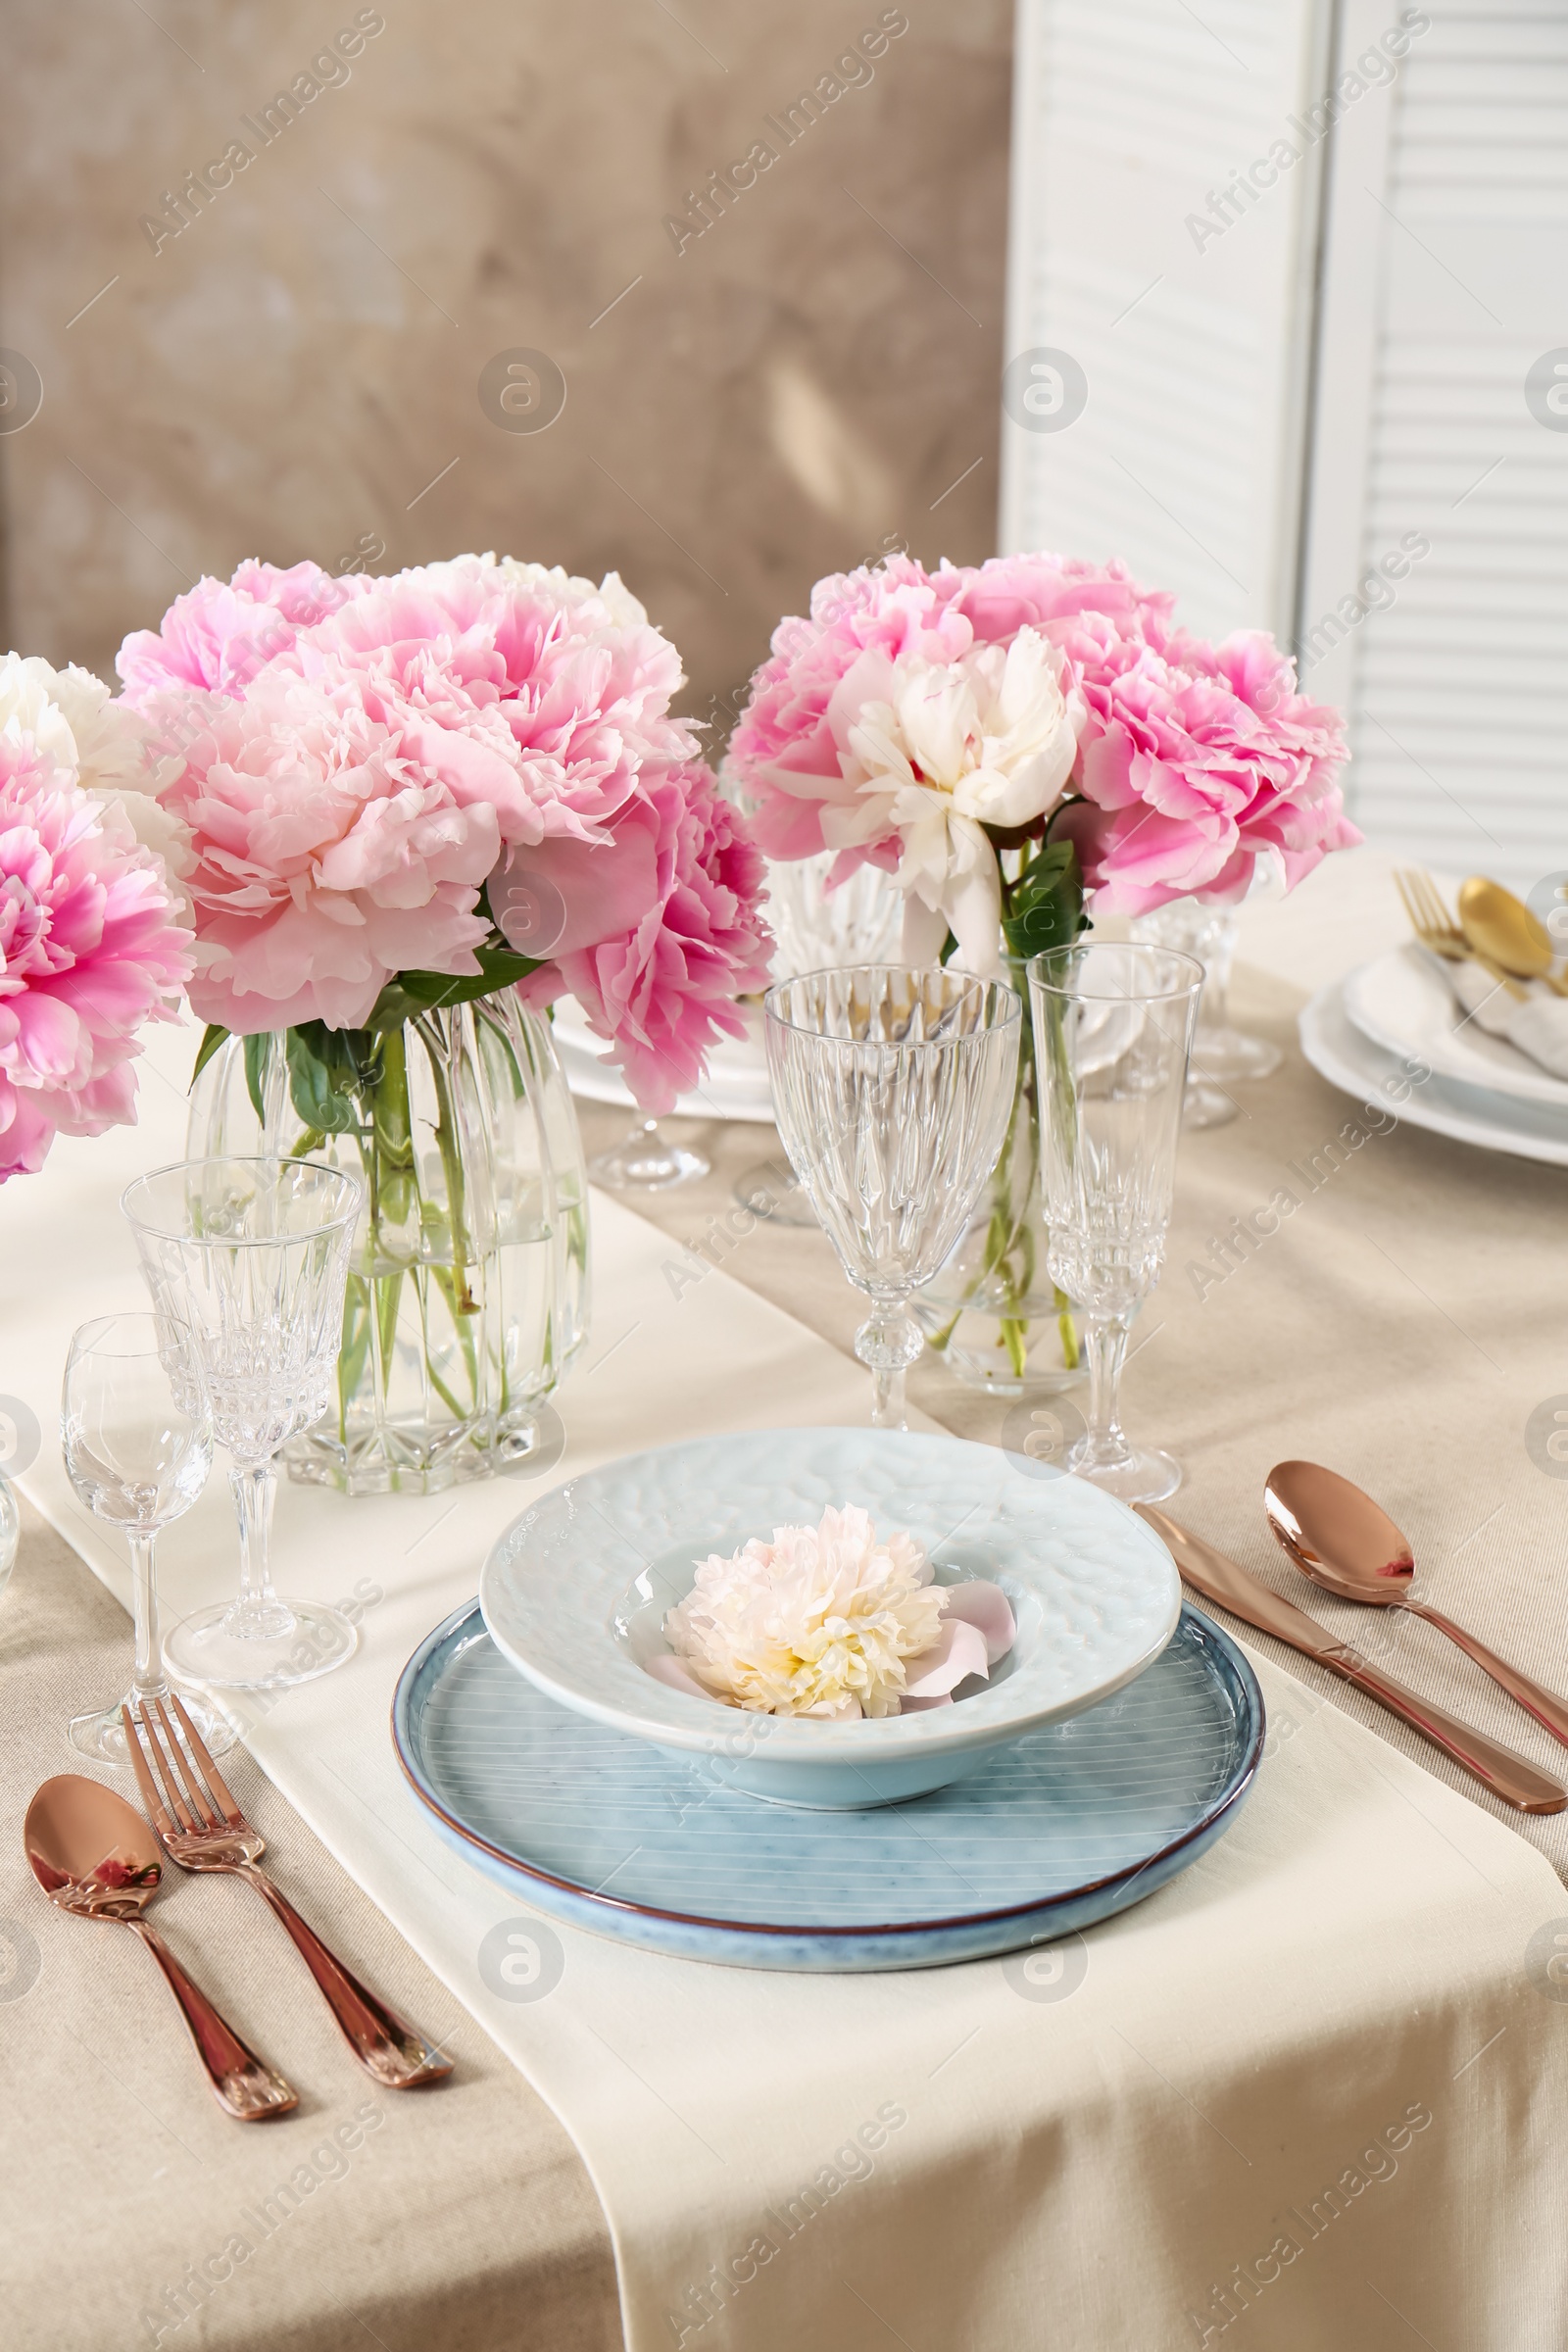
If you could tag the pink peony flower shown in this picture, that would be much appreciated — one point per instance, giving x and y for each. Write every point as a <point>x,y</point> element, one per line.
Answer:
<point>352,760</point>
<point>565,685</point>
<point>89,950</point>
<point>327,858</point>
<point>221,633</point>
<point>660,986</point>
<point>1194,761</point>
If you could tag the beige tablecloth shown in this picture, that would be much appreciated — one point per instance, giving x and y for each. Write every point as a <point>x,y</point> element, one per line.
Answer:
<point>1321,2072</point>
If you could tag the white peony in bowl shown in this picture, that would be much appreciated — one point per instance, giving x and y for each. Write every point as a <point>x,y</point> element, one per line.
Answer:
<point>576,1592</point>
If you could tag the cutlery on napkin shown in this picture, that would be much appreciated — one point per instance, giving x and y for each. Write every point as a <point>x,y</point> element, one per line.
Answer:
<point>1221,1579</point>
<point>1537,1026</point>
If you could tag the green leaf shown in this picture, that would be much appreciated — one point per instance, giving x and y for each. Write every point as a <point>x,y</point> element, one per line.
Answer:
<point>412,993</point>
<point>325,1076</point>
<point>1046,903</point>
<point>258,1054</point>
<point>212,1036</point>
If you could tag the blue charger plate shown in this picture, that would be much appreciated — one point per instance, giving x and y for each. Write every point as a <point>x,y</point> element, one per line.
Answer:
<point>1074,1822</point>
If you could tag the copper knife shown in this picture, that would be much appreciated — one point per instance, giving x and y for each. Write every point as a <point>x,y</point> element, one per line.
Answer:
<point>1220,1579</point>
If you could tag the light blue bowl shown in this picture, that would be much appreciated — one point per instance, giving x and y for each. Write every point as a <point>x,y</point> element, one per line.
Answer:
<point>575,1591</point>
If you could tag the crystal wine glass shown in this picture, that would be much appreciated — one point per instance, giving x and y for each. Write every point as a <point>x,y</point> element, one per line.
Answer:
<point>1113,1029</point>
<point>1221,1054</point>
<point>252,1256</point>
<point>137,1438</point>
<point>892,1089</point>
<point>816,922</point>
<point>646,1161</point>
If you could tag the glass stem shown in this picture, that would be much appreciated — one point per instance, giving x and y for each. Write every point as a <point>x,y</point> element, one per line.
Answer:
<point>148,1678</point>
<point>887,1397</point>
<point>1215,1009</point>
<point>258,1607</point>
<point>1104,1344</point>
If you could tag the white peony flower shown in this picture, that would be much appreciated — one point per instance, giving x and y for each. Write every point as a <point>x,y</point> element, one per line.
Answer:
<point>105,748</point>
<point>937,752</point>
<point>818,1622</point>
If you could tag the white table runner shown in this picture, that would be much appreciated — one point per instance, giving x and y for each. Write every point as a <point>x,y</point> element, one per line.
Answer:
<point>1320,2071</point>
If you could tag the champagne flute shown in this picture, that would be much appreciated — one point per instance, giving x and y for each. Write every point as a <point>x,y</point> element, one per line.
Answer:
<point>1113,1030</point>
<point>137,1438</point>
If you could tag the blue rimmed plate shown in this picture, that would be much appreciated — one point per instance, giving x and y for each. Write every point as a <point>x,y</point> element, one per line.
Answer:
<point>1072,1823</point>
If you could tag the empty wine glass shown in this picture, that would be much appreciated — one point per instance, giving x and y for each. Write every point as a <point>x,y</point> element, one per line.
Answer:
<point>646,1161</point>
<point>252,1256</point>
<point>816,922</point>
<point>1114,1028</point>
<point>892,1089</point>
<point>1220,1054</point>
<point>137,1440</point>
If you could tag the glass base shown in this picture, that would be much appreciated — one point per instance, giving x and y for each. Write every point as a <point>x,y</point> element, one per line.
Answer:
<point>103,1736</point>
<point>1207,1105</point>
<point>772,1193</point>
<point>647,1162</point>
<point>1143,1474</point>
<point>294,1642</point>
<point>1001,1346</point>
<point>395,1459</point>
<point>1227,1054</point>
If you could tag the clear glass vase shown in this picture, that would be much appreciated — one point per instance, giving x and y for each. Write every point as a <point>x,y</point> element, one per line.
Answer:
<point>467,1288</point>
<point>993,1314</point>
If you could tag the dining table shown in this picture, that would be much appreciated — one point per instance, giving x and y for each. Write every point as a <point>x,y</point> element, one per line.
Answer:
<point>1309,2091</point>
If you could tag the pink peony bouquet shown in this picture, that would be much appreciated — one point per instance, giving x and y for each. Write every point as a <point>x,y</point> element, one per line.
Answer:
<point>1005,738</point>
<point>93,938</point>
<point>406,792</point>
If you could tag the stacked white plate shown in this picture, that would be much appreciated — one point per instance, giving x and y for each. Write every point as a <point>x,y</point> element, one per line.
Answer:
<point>735,1087</point>
<point>1393,1035</point>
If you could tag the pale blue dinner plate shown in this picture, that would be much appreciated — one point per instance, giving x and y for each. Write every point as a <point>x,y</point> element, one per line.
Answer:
<point>1074,1821</point>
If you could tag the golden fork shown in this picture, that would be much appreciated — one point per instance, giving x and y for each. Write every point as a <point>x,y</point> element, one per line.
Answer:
<point>201,1827</point>
<point>1436,928</point>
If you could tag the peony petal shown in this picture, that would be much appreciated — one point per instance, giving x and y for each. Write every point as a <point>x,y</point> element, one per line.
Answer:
<point>918,1706</point>
<point>985,1605</point>
<point>665,1667</point>
<point>959,1651</point>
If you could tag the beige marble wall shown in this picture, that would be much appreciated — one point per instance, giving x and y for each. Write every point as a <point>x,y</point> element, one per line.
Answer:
<point>297,371</point>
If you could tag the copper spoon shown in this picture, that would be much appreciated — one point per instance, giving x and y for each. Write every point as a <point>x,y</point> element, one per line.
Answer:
<point>1340,1537</point>
<point>94,1856</point>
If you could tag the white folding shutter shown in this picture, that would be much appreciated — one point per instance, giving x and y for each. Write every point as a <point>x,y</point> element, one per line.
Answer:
<point>1186,459</point>
<point>1445,278</point>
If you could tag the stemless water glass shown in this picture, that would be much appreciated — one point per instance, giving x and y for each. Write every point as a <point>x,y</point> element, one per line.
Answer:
<point>1113,1029</point>
<point>892,1089</point>
<point>252,1256</point>
<point>137,1440</point>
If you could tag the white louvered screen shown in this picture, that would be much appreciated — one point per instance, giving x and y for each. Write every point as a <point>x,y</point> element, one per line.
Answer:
<point>1445,280</point>
<point>1186,459</point>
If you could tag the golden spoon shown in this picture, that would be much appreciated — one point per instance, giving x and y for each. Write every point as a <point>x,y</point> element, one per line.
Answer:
<point>1339,1536</point>
<point>1497,924</point>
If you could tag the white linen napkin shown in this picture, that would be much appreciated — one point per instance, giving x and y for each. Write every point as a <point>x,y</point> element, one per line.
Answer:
<point>1537,1024</point>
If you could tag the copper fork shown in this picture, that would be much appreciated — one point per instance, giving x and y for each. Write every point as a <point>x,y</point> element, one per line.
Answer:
<point>201,1827</point>
<point>1437,930</point>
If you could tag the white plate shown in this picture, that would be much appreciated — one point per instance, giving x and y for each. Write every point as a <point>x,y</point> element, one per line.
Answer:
<point>576,1589</point>
<point>1401,1001</point>
<point>736,1086</point>
<point>1471,1115</point>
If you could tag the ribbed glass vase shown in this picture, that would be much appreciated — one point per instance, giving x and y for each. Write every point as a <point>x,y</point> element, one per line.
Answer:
<point>993,1314</point>
<point>468,1289</point>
